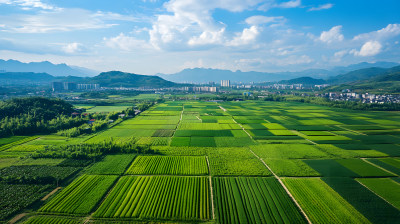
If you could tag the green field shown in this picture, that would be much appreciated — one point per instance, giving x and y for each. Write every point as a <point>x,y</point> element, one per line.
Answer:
<point>253,200</point>
<point>184,198</point>
<point>112,164</point>
<point>81,196</point>
<point>210,162</point>
<point>169,165</point>
<point>321,203</point>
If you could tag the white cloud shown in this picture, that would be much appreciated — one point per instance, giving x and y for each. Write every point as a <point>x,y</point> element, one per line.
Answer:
<point>270,4</point>
<point>321,7</point>
<point>208,37</point>
<point>73,48</point>
<point>333,35</point>
<point>341,54</point>
<point>126,43</point>
<point>61,20</point>
<point>290,4</point>
<point>370,48</point>
<point>28,4</point>
<point>247,36</point>
<point>257,20</point>
<point>191,22</point>
<point>390,31</point>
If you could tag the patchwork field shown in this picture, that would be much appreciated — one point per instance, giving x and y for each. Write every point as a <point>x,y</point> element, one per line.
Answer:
<point>214,162</point>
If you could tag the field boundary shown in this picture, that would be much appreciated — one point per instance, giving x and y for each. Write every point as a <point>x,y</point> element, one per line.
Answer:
<point>284,187</point>
<point>374,193</point>
<point>350,130</point>
<point>211,189</point>
<point>50,194</point>
<point>373,164</point>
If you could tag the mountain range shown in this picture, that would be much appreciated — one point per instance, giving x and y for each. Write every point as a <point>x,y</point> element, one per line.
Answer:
<point>45,67</point>
<point>105,79</point>
<point>205,75</point>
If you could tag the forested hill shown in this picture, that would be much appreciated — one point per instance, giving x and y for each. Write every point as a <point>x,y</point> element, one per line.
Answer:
<point>37,107</point>
<point>35,115</point>
<point>117,79</point>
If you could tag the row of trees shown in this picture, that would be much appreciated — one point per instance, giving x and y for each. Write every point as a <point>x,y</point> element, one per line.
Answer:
<point>93,150</point>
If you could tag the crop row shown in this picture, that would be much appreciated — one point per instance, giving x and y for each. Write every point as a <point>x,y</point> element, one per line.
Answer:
<point>253,200</point>
<point>19,142</point>
<point>112,164</point>
<point>184,198</point>
<point>172,165</point>
<point>81,196</point>
<point>51,220</point>
<point>321,203</point>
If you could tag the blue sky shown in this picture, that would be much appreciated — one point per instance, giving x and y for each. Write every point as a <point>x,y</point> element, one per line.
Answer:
<point>154,36</point>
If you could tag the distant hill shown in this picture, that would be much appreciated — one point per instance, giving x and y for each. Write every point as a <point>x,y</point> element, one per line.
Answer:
<point>12,78</point>
<point>362,74</point>
<point>362,65</point>
<point>375,80</point>
<point>205,75</point>
<point>117,79</point>
<point>304,81</point>
<point>45,67</point>
<point>105,79</point>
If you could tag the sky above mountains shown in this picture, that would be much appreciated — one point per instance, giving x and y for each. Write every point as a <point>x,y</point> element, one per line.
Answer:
<point>152,36</point>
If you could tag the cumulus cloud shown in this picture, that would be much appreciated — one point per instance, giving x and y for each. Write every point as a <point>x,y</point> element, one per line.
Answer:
<point>370,48</point>
<point>333,35</point>
<point>208,37</point>
<point>191,22</point>
<point>126,43</point>
<point>321,7</point>
<point>390,31</point>
<point>245,37</point>
<point>73,48</point>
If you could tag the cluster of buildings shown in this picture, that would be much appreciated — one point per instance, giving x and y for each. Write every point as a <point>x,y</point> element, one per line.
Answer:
<point>364,98</point>
<point>211,89</point>
<point>62,86</point>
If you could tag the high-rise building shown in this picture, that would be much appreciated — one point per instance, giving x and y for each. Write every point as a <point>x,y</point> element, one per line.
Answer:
<point>57,86</point>
<point>69,86</point>
<point>88,86</point>
<point>225,83</point>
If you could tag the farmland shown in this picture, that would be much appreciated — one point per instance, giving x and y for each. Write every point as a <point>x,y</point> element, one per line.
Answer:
<point>179,165</point>
<point>80,196</point>
<point>185,198</point>
<point>212,162</point>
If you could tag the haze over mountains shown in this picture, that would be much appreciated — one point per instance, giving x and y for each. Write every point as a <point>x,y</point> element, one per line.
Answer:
<point>15,72</point>
<point>46,67</point>
<point>205,75</point>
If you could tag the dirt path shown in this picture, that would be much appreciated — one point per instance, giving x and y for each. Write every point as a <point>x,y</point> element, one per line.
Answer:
<point>284,187</point>
<point>50,194</point>
<point>17,218</point>
<point>179,122</point>
<point>211,189</point>
<point>222,108</point>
